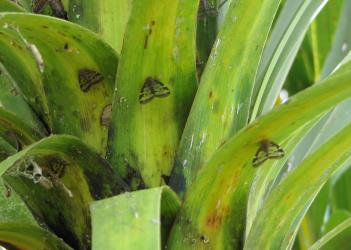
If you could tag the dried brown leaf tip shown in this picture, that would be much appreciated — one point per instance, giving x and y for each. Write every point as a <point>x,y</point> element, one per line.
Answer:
<point>152,88</point>
<point>88,77</point>
<point>267,150</point>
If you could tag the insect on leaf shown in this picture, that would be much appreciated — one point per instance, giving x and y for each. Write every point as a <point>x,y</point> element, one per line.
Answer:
<point>267,150</point>
<point>152,88</point>
<point>88,77</point>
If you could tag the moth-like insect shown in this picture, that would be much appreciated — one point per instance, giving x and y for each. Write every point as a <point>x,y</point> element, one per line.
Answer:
<point>267,150</point>
<point>152,88</point>
<point>88,77</point>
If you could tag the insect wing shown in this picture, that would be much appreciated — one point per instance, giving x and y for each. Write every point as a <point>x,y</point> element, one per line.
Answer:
<point>275,151</point>
<point>146,94</point>
<point>259,158</point>
<point>88,77</point>
<point>160,90</point>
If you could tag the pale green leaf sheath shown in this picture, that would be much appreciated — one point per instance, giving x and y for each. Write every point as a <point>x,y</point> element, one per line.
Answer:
<point>133,221</point>
<point>156,82</point>
<point>219,213</point>
<point>221,105</point>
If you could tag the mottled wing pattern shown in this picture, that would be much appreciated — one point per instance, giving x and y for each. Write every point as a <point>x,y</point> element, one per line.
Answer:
<point>160,90</point>
<point>88,77</point>
<point>152,88</point>
<point>275,151</point>
<point>146,94</point>
<point>267,150</point>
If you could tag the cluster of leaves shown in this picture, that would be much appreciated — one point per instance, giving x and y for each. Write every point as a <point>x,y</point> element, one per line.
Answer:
<point>151,124</point>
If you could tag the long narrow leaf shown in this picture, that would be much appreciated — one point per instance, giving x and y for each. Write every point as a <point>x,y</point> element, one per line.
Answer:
<point>156,81</point>
<point>219,213</point>
<point>221,105</point>
<point>278,56</point>
<point>292,197</point>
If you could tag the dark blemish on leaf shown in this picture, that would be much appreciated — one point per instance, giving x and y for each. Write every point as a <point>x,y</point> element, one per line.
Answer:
<point>204,239</point>
<point>38,5</point>
<point>45,27</point>
<point>56,166</point>
<point>58,9</point>
<point>152,88</point>
<point>88,77</point>
<point>65,47</point>
<point>165,178</point>
<point>148,34</point>
<point>222,143</point>
<point>177,180</point>
<point>106,116</point>
<point>216,218</point>
<point>210,94</point>
<point>208,11</point>
<point>134,178</point>
<point>146,41</point>
<point>267,150</point>
<point>78,39</point>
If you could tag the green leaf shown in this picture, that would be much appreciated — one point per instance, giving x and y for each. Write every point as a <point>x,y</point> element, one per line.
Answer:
<point>7,5</point>
<point>6,149</point>
<point>281,50</point>
<point>24,236</point>
<point>57,178</point>
<point>219,213</point>
<point>295,193</point>
<point>311,56</point>
<point>338,238</point>
<point>334,120</point>
<point>53,55</point>
<point>12,208</point>
<point>16,132</point>
<point>342,41</point>
<point>335,218</point>
<point>12,101</point>
<point>137,220</point>
<point>221,105</point>
<point>108,18</point>
<point>156,82</point>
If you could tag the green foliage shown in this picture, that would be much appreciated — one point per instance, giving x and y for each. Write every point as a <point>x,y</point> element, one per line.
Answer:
<point>96,121</point>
